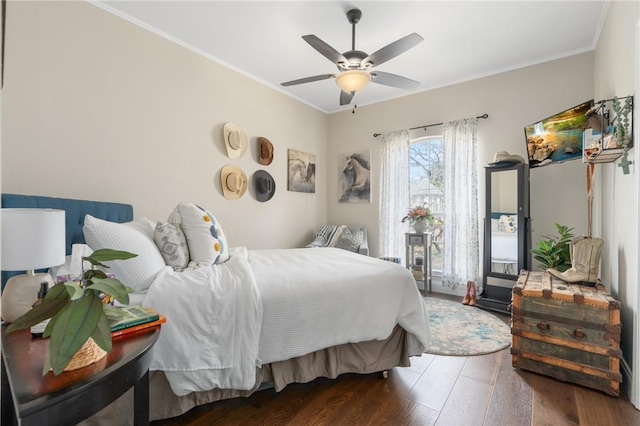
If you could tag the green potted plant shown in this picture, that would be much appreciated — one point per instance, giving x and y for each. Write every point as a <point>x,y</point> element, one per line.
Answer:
<point>554,251</point>
<point>78,311</point>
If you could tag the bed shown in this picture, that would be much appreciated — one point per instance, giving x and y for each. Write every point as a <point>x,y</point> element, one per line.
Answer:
<point>298,314</point>
<point>504,242</point>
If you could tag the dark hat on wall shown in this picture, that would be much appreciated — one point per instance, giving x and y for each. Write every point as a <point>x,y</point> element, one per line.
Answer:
<point>265,151</point>
<point>503,158</point>
<point>264,184</point>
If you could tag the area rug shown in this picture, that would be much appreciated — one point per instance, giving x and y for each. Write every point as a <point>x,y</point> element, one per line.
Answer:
<point>458,329</point>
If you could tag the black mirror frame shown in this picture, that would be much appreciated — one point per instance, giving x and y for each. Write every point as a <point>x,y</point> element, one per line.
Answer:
<point>499,294</point>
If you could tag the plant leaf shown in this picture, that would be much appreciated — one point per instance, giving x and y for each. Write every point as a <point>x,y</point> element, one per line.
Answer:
<point>43,311</point>
<point>52,322</point>
<point>95,273</point>
<point>47,363</point>
<point>102,333</point>
<point>113,287</point>
<point>106,255</point>
<point>72,329</point>
<point>74,289</point>
<point>93,263</point>
<point>56,292</point>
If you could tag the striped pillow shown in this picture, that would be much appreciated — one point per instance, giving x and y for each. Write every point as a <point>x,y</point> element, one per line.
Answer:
<point>324,236</point>
<point>339,236</point>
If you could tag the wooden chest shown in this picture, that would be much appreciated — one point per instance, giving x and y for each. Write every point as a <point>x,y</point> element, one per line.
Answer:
<point>566,331</point>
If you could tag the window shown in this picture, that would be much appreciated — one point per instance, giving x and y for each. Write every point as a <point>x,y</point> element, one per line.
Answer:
<point>426,187</point>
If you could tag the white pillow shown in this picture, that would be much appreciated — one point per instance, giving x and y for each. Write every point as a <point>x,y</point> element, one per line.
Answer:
<point>144,225</point>
<point>138,272</point>
<point>205,237</point>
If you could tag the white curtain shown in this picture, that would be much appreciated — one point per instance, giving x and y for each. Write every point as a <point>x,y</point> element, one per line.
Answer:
<point>461,252</point>
<point>394,192</point>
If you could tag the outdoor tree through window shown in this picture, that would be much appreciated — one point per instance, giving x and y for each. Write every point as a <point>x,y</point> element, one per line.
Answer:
<point>426,185</point>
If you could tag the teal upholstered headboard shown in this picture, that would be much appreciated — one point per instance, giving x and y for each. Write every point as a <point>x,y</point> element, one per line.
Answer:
<point>75,211</point>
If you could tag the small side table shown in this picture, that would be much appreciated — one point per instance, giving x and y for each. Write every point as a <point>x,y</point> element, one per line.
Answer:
<point>29,398</point>
<point>417,243</point>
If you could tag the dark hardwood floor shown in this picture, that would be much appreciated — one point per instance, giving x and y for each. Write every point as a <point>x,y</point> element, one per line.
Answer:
<point>434,390</point>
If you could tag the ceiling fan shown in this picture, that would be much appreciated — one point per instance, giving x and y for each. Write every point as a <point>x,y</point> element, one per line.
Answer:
<point>355,65</point>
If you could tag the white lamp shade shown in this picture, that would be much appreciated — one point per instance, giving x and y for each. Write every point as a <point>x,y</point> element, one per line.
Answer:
<point>32,239</point>
<point>353,81</point>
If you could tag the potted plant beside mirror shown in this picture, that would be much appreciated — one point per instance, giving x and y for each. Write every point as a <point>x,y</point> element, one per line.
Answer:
<point>78,329</point>
<point>554,251</point>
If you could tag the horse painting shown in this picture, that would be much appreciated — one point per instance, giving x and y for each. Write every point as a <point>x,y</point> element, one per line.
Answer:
<point>302,172</point>
<point>355,178</point>
<point>297,171</point>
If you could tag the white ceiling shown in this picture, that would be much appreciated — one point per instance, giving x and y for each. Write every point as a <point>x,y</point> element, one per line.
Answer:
<point>463,40</point>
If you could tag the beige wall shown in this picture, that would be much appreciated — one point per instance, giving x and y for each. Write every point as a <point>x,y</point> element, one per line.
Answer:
<point>95,107</point>
<point>616,68</point>
<point>513,100</point>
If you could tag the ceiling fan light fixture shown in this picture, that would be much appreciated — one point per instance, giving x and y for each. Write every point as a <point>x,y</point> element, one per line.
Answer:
<point>353,81</point>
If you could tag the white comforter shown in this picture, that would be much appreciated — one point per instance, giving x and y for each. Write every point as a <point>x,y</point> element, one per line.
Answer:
<point>216,333</point>
<point>214,316</point>
<point>322,297</point>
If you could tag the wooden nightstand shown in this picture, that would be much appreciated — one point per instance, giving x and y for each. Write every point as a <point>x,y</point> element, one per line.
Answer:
<point>72,396</point>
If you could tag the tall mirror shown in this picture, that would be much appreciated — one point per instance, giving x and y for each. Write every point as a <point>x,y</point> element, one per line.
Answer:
<point>504,222</point>
<point>506,240</point>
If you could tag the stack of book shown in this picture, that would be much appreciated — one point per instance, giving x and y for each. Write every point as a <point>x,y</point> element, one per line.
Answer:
<point>135,318</point>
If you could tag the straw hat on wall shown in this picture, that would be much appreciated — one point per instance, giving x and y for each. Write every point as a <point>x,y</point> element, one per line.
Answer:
<point>235,140</point>
<point>234,182</point>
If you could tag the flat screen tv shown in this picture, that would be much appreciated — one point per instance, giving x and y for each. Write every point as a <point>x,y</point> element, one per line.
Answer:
<point>557,138</point>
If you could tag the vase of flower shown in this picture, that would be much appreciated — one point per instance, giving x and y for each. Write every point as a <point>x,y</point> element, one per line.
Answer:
<point>420,226</point>
<point>420,218</point>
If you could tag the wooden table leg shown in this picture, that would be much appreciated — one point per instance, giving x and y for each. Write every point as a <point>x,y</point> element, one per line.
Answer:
<point>141,401</point>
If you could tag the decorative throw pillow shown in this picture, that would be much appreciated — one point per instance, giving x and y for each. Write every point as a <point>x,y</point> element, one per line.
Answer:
<point>172,245</point>
<point>508,223</point>
<point>138,272</point>
<point>346,239</point>
<point>323,236</point>
<point>205,237</point>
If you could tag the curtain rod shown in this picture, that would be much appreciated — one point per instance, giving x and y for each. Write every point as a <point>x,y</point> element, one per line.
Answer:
<point>375,135</point>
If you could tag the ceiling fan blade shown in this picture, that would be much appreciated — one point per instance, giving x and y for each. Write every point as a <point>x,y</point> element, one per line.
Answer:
<point>325,50</point>
<point>392,50</point>
<point>345,97</point>
<point>393,80</point>
<point>308,79</point>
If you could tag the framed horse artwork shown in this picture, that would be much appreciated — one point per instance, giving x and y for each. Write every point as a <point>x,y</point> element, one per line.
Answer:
<point>302,171</point>
<point>354,177</point>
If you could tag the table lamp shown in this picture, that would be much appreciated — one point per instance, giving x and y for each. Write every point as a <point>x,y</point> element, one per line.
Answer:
<point>31,239</point>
